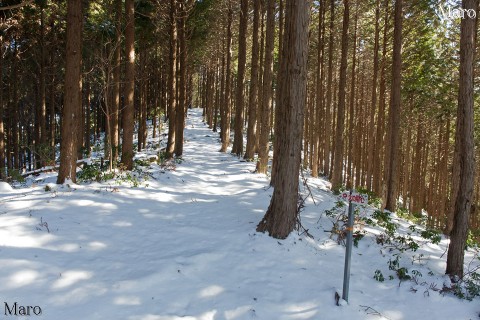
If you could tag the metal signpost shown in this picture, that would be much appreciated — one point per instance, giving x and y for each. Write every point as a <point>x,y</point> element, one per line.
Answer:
<point>352,197</point>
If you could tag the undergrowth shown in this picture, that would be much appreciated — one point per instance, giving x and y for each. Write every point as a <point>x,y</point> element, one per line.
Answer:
<point>399,245</point>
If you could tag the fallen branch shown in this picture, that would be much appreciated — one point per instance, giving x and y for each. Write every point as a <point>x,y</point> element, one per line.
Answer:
<point>370,310</point>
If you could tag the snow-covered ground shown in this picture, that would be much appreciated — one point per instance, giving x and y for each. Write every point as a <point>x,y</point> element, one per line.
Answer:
<point>183,245</point>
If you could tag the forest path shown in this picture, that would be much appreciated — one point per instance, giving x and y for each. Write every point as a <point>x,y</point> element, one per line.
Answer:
<point>183,245</point>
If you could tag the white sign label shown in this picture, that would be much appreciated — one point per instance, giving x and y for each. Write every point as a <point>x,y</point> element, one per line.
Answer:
<point>355,197</point>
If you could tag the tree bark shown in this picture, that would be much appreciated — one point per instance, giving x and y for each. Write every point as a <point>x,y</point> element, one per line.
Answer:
<point>253,93</point>
<point>43,103</point>
<point>116,80</point>
<point>242,59</point>
<point>328,107</point>
<point>318,92</point>
<point>351,117</point>
<point>267,94</point>
<point>226,116</point>
<point>394,117</point>
<point>73,93</point>
<point>371,141</point>
<point>172,81</point>
<point>180,116</point>
<point>129,110</point>
<point>282,214</point>
<point>464,145</point>
<point>339,133</point>
<point>379,134</point>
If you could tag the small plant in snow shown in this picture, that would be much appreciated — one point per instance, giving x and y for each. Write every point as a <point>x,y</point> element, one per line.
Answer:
<point>378,276</point>
<point>469,286</point>
<point>43,224</point>
<point>432,235</point>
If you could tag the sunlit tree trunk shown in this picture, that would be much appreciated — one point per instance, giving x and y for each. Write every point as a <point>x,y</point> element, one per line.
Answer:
<point>253,93</point>
<point>129,110</point>
<point>328,105</point>
<point>379,134</point>
<point>339,133</point>
<point>172,81</point>
<point>242,59</point>
<point>226,116</point>
<point>73,93</point>
<point>267,92</point>
<point>281,216</point>
<point>180,114</point>
<point>116,80</point>
<point>393,143</point>
<point>464,158</point>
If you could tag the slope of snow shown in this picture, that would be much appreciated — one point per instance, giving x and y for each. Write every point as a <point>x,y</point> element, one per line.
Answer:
<point>183,246</point>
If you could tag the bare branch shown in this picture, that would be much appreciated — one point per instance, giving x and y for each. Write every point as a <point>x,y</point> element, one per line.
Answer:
<point>14,6</point>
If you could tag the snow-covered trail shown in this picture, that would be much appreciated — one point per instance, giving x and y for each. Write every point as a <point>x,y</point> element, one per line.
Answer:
<point>185,247</point>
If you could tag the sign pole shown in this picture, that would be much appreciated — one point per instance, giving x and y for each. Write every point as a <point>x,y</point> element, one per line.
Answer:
<point>348,253</point>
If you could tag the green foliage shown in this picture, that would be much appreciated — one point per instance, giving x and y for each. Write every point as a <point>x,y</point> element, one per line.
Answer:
<point>339,208</point>
<point>416,274</point>
<point>467,288</point>
<point>416,218</point>
<point>384,220</point>
<point>90,172</point>
<point>162,157</point>
<point>45,153</point>
<point>130,178</point>
<point>378,276</point>
<point>395,263</point>
<point>15,176</point>
<point>135,178</point>
<point>93,172</point>
<point>402,274</point>
<point>141,163</point>
<point>432,235</point>
<point>373,199</point>
<point>473,239</point>
<point>357,236</point>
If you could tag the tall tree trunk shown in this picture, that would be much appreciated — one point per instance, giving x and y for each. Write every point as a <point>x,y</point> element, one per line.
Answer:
<point>253,93</point>
<point>277,110</point>
<point>464,169</point>
<point>52,117</point>
<point>351,112</point>
<point>242,59</point>
<point>87,110</point>
<point>227,107</point>
<point>328,105</point>
<point>262,164</point>
<point>116,80</point>
<point>372,142</point>
<point>129,110</point>
<point>318,92</point>
<point>172,81</point>
<point>379,134</point>
<point>339,133</point>
<point>73,93</point>
<point>393,143</point>
<point>15,125</point>
<point>260,76</point>
<point>43,103</point>
<point>180,116</point>
<point>282,214</point>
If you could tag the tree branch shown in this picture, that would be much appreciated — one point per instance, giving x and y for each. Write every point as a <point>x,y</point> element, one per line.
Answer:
<point>14,6</point>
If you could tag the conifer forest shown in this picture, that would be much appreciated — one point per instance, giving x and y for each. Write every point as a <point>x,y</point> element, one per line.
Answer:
<point>239,159</point>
